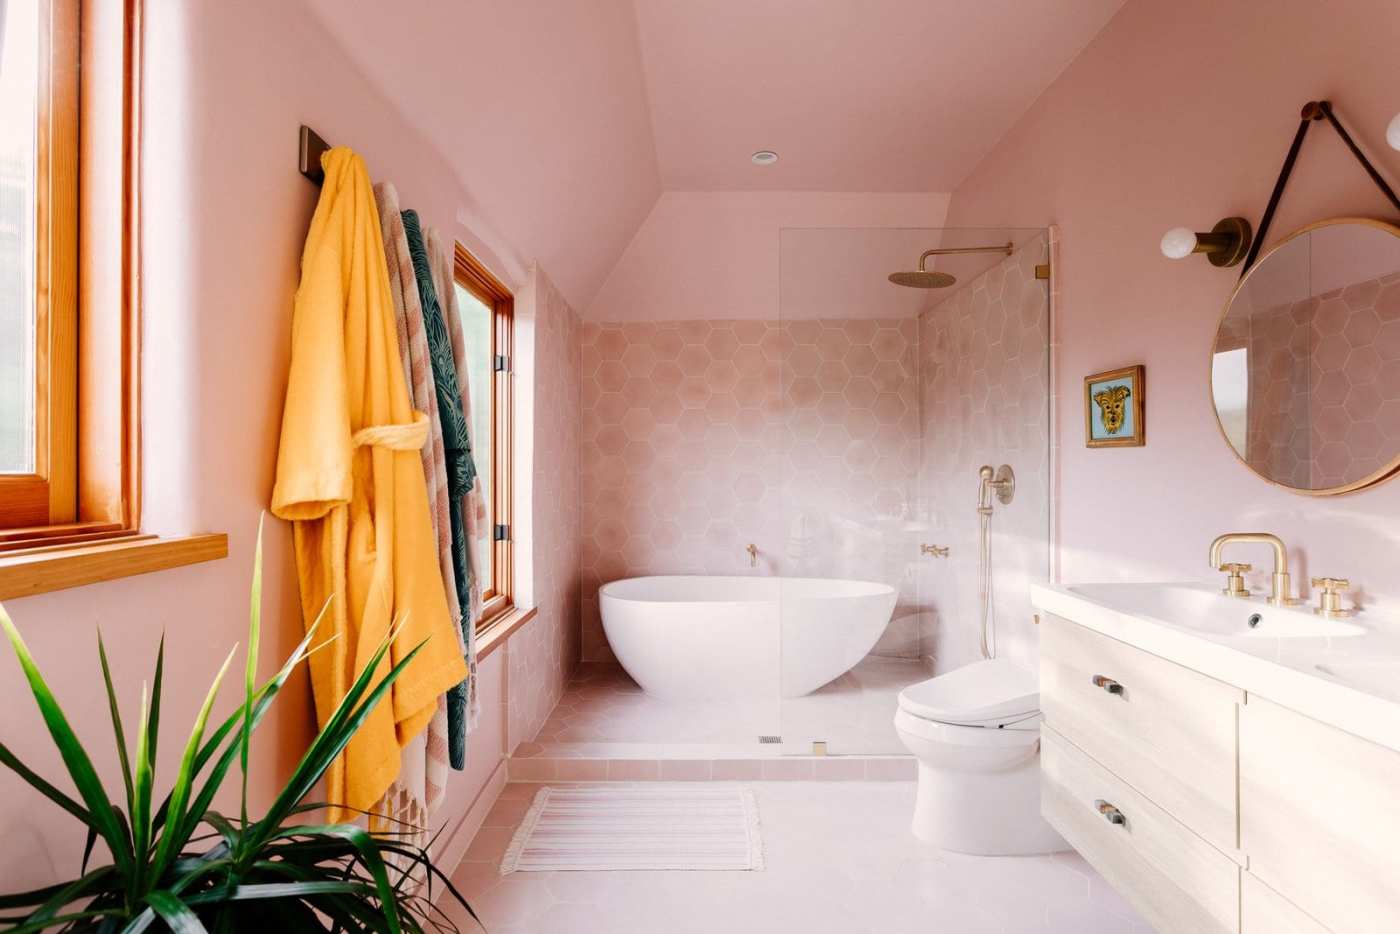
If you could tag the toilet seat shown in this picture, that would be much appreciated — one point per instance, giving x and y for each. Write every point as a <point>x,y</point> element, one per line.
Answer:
<point>996,693</point>
<point>975,734</point>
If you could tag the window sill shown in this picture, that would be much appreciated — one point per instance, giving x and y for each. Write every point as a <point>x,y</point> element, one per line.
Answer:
<point>495,635</point>
<point>24,574</point>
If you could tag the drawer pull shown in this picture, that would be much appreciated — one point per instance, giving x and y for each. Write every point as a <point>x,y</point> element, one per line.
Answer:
<point>1109,812</point>
<point>1108,684</point>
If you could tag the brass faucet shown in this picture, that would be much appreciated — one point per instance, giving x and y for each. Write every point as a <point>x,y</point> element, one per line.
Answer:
<point>938,551</point>
<point>1282,586</point>
<point>753,555</point>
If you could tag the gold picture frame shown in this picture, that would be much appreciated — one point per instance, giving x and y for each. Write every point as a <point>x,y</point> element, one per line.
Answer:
<point>1114,408</point>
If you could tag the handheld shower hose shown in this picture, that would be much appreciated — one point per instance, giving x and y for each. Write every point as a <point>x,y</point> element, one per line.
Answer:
<point>1001,484</point>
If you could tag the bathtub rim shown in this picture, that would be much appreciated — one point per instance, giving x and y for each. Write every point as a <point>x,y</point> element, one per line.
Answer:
<point>870,589</point>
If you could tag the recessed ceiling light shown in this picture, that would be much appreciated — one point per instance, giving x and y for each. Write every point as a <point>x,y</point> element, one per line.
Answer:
<point>764,157</point>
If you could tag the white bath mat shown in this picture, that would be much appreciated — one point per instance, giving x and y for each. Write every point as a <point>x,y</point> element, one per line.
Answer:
<point>619,827</point>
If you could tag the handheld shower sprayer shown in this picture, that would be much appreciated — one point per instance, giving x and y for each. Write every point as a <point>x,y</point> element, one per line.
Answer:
<point>1001,483</point>
<point>984,489</point>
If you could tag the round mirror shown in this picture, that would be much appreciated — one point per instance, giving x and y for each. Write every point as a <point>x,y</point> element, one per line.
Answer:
<point>1305,373</point>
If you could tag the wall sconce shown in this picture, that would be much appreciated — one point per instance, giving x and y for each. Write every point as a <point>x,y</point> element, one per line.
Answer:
<point>1392,133</point>
<point>1225,245</point>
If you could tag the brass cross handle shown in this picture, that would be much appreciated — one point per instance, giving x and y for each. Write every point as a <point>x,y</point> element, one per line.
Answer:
<point>1329,597</point>
<point>938,551</point>
<point>1234,584</point>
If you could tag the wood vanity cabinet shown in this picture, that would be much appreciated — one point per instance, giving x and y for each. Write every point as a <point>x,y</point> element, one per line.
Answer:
<point>1166,730</point>
<point>1320,817</point>
<point>1209,809</point>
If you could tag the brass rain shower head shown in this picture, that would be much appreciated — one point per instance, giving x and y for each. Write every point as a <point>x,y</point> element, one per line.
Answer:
<point>923,279</point>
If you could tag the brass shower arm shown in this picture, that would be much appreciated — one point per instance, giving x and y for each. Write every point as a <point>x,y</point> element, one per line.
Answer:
<point>950,251</point>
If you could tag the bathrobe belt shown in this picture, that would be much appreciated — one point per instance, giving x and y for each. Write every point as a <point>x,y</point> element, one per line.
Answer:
<point>394,437</point>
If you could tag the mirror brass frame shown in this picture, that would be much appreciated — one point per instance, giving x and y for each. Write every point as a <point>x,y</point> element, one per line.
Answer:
<point>1386,472</point>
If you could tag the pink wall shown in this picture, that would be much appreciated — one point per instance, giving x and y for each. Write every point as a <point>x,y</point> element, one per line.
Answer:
<point>225,217</point>
<point>700,437</point>
<point>539,106</point>
<point>715,254</point>
<point>1135,137</point>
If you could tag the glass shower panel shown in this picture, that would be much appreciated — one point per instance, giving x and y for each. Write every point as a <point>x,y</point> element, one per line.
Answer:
<point>890,399</point>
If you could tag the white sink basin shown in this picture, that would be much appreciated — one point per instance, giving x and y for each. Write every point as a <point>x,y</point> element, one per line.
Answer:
<point>1201,609</point>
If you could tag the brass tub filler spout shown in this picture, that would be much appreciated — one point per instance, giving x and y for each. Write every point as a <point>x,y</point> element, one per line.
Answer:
<point>753,555</point>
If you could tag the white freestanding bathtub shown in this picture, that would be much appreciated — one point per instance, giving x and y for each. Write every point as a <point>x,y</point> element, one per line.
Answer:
<point>685,638</point>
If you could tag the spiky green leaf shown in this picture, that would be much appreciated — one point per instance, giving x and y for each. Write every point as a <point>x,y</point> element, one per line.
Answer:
<point>251,670</point>
<point>12,762</point>
<point>75,758</point>
<point>171,841</point>
<point>347,718</point>
<point>176,915</point>
<point>119,733</point>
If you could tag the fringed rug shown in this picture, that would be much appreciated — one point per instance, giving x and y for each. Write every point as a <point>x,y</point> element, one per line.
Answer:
<point>631,827</point>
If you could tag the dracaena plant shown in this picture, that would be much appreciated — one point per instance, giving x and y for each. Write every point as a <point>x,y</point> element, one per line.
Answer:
<point>183,866</point>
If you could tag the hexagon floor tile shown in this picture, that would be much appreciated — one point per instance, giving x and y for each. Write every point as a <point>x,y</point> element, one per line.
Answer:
<point>840,860</point>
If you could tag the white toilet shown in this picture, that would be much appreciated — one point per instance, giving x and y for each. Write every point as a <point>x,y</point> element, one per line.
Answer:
<point>976,734</point>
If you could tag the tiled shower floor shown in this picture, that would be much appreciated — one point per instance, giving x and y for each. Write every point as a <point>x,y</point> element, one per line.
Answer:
<point>604,713</point>
<point>840,860</point>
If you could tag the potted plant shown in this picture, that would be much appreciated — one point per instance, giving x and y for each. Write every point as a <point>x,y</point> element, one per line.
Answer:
<point>180,865</point>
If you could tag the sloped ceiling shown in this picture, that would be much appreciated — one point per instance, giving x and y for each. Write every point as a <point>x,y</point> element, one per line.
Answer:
<point>540,105</point>
<point>566,119</point>
<point>854,95</point>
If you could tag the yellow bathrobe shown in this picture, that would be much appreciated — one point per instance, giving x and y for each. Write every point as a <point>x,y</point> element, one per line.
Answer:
<point>350,478</point>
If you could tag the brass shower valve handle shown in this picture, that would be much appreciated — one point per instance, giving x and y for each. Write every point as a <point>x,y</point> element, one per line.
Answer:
<point>1329,597</point>
<point>938,551</point>
<point>1234,584</point>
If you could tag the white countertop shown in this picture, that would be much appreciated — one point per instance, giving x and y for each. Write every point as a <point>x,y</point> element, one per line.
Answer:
<point>1352,683</point>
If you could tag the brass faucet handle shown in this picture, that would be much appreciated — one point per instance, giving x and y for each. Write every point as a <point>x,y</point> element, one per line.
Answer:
<point>1234,584</point>
<point>1329,597</point>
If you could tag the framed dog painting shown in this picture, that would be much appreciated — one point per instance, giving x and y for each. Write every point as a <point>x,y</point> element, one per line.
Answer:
<point>1113,409</point>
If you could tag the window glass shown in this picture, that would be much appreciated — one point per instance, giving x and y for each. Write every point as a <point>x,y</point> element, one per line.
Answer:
<point>19,95</point>
<point>478,326</point>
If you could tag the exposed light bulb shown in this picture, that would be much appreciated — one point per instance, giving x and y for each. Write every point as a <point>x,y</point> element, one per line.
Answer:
<point>1178,243</point>
<point>1392,133</point>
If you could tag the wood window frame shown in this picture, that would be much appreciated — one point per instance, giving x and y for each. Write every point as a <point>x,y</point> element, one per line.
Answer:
<point>88,430</point>
<point>47,496</point>
<point>497,597</point>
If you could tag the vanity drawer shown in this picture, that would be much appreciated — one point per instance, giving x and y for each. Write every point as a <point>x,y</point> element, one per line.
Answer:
<point>1264,911</point>
<point>1176,880</point>
<point>1167,731</point>
<point>1319,817</point>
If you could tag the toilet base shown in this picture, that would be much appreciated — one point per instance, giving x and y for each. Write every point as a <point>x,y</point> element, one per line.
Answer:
<point>993,813</point>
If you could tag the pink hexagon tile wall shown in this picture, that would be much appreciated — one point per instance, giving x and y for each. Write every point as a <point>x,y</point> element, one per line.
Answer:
<point>985,400</point>
<point>836,446</point>
<point>701,437</point>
